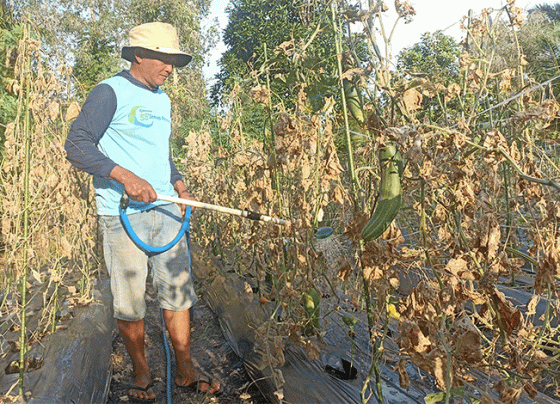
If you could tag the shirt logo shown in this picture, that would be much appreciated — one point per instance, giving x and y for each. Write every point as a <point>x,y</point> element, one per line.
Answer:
<point>140,116</point>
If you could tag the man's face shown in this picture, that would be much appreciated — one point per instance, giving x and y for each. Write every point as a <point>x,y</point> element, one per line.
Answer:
<point>153,72</point>
<point>153,68</point>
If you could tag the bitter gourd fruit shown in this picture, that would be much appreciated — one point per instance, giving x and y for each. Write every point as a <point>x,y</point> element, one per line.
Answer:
<point>390,193</point>
<point>353,101</point>
<point>311,301</point>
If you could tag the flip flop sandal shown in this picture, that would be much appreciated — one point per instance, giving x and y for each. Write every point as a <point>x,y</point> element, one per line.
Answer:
<point>194,387</point>
<point>143,389</point>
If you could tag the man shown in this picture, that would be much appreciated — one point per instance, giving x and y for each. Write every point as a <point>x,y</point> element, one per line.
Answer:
<point>121,137</point>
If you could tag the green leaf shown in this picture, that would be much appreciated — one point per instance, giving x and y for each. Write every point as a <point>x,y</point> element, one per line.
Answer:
<point>349,321</point>
<point>434,398</point>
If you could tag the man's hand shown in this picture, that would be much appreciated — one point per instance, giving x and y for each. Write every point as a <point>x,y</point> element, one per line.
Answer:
<point>138,189</point>
<point>182,193</point>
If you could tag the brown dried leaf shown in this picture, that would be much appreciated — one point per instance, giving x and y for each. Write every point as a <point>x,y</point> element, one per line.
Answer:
<point>412,99</point>
<point>260,94</point>
<point>467,341</point>
<point>286,48</point>
<point>531,390</point>
<point>510,318</point>
<point>405,10</point>
<point>53,110</point>
<point>464,60</point>
<point>542,114</point>
<point>508,395</point>
<point>532,305</point>
<point>404,380</point>
<point>459,267</point>
<point>313,351</point>
<point>452,91</point>
<point>412,338</point>
<point>489,235</point>
<point>515,15</point>
<point>73,111</point>
<point>486,399</point>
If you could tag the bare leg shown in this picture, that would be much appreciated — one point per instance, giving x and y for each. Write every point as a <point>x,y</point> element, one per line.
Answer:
<point>132,333</point>
<point>179,326</point>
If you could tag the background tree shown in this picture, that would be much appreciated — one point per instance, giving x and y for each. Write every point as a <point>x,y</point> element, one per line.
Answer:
<point>252,24</point>
<point>436,54</point>
<point>299,62</point>
<point>540,40</point>
<point>552,11</point>
<point>430,66</point>
<point>523,54</point>
<point>89,35</point>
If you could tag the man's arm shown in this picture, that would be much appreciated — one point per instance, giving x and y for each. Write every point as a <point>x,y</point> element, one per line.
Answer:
<point>83,138</point>
<point>178,184</point>
<point>136,188</point>
<point>88,128</point>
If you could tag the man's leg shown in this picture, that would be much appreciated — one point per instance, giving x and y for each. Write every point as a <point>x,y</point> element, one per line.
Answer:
<point>132,333</point>
<point>179,326</point>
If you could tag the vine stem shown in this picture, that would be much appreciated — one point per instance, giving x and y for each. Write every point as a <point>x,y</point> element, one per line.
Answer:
<point>27,133</point>
<point>338,45</point>
<point>354,184</point>
<point>275,174</point>
<point>514,165</point>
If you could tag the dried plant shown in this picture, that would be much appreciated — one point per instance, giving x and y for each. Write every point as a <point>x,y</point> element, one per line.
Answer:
<point>48,231</point>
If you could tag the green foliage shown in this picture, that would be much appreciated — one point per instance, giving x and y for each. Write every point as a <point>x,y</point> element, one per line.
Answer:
<point>540,41</point>
<point>289,48</point>
<point>255,121</point>
<point>189,124</point>
<point>436,55</point>
<point>99,62</point>
<point>252,24</point>
<point>89,36</point>
<point>552,11</point>
<point>256,24</point>
<point>433,62</point>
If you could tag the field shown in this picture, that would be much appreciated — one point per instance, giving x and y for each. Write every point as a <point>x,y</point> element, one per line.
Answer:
<point>477,210</point>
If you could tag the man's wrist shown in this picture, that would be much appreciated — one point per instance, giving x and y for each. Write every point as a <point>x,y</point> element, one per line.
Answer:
<point>120,174</point>
<point>180,187</point>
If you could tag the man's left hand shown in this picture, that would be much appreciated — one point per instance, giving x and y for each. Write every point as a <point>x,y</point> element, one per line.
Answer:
<point>186,195</point>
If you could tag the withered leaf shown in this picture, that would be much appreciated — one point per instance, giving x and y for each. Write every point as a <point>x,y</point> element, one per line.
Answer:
<point>404,380</point>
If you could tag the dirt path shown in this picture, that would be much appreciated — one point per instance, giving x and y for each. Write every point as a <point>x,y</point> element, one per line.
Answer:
<point>210,352</point>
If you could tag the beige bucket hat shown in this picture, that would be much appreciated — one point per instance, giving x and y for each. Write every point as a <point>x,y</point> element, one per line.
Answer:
<point>156,36</point>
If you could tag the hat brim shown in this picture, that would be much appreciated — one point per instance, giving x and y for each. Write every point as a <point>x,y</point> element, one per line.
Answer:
<point>180,59</point>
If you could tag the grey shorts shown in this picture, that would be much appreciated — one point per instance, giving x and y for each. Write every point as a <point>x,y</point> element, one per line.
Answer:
<point>128,265</point>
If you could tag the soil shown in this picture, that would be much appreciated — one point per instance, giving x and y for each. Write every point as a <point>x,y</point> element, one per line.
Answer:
<point>211,354</point>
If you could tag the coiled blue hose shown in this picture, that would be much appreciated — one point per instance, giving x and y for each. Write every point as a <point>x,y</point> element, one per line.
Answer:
<point>184,228</point>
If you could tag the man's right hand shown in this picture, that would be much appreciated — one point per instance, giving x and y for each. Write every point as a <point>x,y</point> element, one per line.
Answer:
<point>136,188</point>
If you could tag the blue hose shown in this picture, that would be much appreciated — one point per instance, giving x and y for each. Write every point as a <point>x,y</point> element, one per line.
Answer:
<point>168,387</point>
<point>184,228</point>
